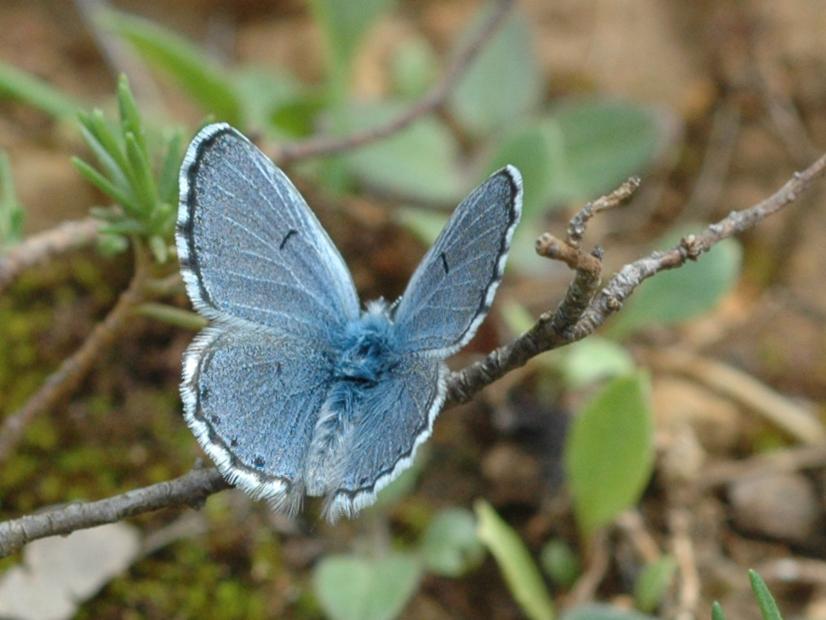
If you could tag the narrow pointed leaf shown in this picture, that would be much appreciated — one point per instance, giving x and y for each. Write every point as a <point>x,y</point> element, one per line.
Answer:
<point>29,89</point>
<point>130,118</point>
<point>717,612</point>
<point>765,600</point>
<point>105,185</point>
<point>515,563</point>
<point>144,183</point>
<point>111,167</point>
<point>168,179</point>
<point>191,67</point>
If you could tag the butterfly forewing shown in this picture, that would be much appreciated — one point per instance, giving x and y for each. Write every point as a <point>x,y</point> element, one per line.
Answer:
<point>452,289</point>
<point>249,246</point>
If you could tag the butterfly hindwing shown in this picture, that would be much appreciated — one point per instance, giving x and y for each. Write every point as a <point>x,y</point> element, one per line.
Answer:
<point>250,247</point>
<point>452,289</point>
<point>252,399</point>
<point>389,422</point>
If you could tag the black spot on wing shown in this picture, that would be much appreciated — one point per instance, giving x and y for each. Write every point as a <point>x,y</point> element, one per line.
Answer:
<point>444,263</point>
<point>286,238</point>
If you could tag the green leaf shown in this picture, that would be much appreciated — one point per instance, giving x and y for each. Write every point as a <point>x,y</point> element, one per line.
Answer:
<point>717,611</point>
<point>603,612</point>
<point>144,184</point>
<point>596,144</point>
<point>515,563</point>
<point>171,315</point>
<point>110,244</point>
<point>351,587</point>
<point>11,211</point>
<point>106,147</point>
<point>297,117</point>
<point>765,600</point>
<point>450,546</point>
<point>105,185</point>
<point>609,453</point>
<point>653,583</point>
<point>503,83</point>
<point>591,360</point>
<point>265,93</point>
<point>344,25</point>
<point>130,118</point>
<point>418,162</point>
<point>168,177</point>
<point>191,67</point>
<point>581,150</point>
<point>681,294</point>
<point>560,563</point>
<point>159,248</point>
<point>27,88</point>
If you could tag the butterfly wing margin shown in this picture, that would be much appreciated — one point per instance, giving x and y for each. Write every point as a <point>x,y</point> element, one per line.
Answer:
<point>251,398</point>
<point>453,287</point>
<point>391,421</point>
<point>248,244</point>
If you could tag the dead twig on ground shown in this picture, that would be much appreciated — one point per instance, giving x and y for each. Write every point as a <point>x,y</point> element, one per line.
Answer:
<point>688,596</point>
<point>631,524</point>
<point>755,395</point>
<point>597,561</point>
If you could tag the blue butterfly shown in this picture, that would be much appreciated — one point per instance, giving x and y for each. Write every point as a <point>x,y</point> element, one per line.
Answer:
<point>293,389</point>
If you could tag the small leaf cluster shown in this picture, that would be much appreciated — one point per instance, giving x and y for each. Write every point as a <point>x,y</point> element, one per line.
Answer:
<point>145,198</point>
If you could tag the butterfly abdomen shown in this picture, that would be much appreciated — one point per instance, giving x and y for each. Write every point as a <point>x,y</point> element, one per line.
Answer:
<point>366,354</point>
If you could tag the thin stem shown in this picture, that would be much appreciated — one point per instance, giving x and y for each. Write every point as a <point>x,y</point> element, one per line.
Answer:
<point>190,489</point>
<point>44,246</point>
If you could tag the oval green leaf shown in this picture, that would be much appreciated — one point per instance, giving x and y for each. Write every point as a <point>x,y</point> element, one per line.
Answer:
<point>351,587</point>
<point>504,81</point>
<point>418,162</point>
<point>609,453</point>
<point>450,545</point>
<point>596,144</point>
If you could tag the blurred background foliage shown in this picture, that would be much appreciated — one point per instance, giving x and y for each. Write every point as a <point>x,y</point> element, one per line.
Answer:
<point>484,520</point>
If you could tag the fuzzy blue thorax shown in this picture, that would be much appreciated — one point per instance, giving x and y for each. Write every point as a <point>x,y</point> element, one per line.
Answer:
<point>367,346</point>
